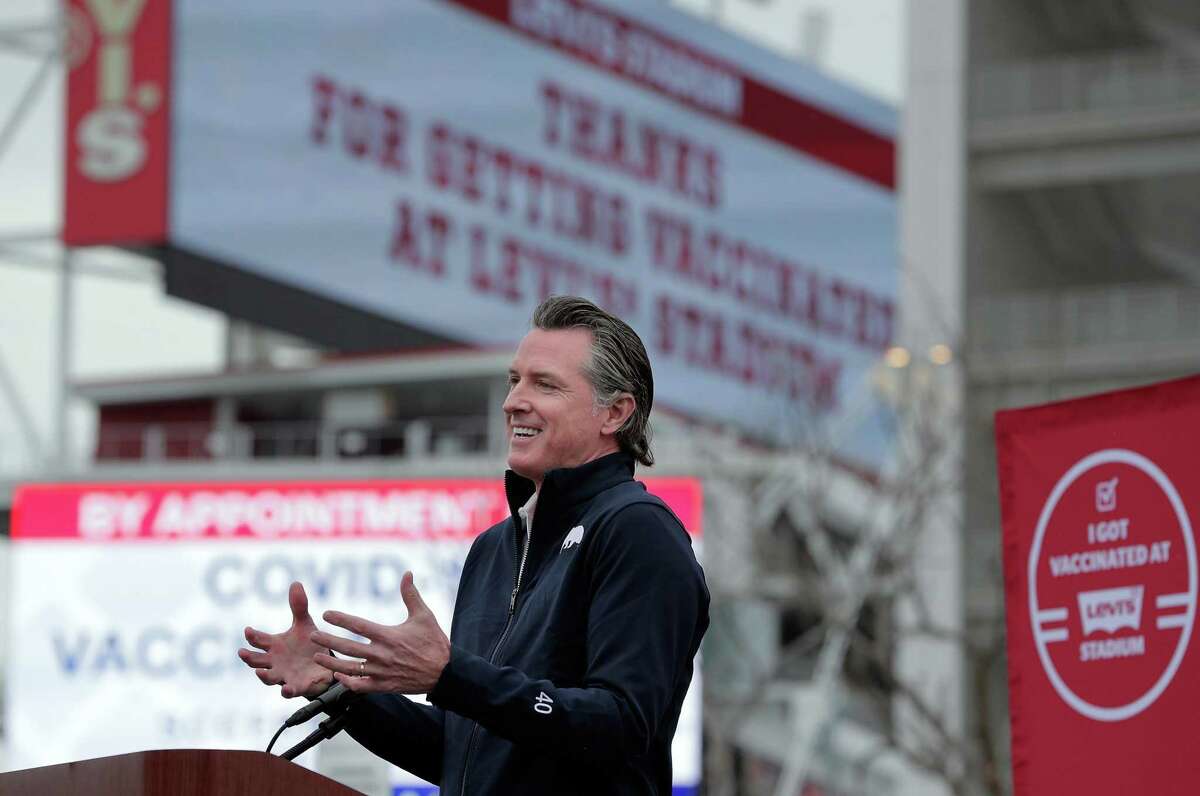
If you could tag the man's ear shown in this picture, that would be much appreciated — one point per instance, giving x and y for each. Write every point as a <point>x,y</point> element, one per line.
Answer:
<point>617,413</point>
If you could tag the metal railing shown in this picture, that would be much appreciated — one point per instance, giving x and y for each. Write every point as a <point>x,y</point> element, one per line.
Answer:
<point>155,442</point>
<point>1084,317</point>
<point>1125,81</point>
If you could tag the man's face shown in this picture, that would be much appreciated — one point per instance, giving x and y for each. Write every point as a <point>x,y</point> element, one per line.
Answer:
<point>552,418</point>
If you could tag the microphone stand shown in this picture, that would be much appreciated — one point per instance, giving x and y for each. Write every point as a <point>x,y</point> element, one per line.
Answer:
<point>326,729</point>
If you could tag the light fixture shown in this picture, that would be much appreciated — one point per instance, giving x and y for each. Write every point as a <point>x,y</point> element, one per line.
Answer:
<point>897,357</point>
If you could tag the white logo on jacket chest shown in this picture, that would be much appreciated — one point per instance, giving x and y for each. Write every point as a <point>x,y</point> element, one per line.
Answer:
<point>574,537</point>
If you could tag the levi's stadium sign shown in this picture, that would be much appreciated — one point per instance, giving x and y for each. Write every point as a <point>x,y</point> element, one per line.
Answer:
<point>446,164</point>
<point>128,602</point>
<point>1099,497</point>
<point>1147,629</point>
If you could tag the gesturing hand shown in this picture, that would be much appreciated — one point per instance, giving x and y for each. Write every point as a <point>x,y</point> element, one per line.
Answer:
<point>286,658</point>
<point>407,658</point>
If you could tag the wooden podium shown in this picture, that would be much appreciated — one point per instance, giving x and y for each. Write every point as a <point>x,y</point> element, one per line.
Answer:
<point>174,772</point>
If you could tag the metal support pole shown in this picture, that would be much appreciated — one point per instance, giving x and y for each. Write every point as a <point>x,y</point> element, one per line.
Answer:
<point>66,326</point>
<point>23,416</point>
<point>827,677</point>
<point>32,90</point>
<point>497,422</point>
<point>20,39</point>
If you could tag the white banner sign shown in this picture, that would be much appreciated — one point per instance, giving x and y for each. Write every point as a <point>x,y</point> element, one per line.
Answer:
<point>129,602</point>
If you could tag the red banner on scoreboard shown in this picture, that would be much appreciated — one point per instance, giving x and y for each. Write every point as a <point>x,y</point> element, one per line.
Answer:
<point>710,85</point>
<point>116,165</point>
<point>1097,497</point>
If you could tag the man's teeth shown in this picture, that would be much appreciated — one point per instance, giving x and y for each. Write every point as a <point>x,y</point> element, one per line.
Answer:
<point>525,431</point>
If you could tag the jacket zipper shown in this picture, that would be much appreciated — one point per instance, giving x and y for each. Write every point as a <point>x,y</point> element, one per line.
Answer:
<point>512,607</point>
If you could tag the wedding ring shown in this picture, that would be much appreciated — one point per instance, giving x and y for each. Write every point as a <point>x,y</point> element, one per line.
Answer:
<point>362,668</point>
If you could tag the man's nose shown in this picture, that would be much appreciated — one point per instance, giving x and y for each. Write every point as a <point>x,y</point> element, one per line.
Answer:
<point>515,401</point>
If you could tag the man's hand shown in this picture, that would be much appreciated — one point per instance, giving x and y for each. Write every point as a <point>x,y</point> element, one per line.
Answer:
<point>286,658</point>
<point>407,658</point>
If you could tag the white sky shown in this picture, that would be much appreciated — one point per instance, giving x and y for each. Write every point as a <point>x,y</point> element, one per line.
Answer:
<point>128,327</point>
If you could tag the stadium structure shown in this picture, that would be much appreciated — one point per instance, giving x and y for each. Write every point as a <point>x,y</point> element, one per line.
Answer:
<point>1047,248</point>
<point>376,249</point>
<point>1049,159</point>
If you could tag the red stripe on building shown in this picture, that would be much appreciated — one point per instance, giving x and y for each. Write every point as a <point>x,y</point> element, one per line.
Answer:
<point>606,39</point>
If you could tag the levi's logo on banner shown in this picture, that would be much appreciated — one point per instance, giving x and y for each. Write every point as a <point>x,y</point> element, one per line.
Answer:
<point>1100,564</point>
<point>117,121</point>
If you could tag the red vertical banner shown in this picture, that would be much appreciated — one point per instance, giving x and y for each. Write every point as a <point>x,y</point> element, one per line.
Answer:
<point>117,121</point>
<point>1098,497</point>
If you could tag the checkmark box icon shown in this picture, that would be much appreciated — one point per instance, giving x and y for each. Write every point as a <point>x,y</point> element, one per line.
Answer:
<point>1106,495</point>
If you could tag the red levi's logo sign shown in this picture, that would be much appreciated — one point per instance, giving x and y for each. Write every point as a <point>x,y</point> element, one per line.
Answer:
<point>117,121</point>
<point>1098,497</point>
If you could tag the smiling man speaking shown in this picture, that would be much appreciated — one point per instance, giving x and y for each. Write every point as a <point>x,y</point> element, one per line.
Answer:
<point>577,618</point>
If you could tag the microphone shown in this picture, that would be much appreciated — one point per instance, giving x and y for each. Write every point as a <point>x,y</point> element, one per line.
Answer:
<point>328,699</point>
<point>326,729</point>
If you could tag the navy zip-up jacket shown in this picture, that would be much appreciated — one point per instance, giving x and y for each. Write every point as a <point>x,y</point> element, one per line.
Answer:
<point>571,681</point>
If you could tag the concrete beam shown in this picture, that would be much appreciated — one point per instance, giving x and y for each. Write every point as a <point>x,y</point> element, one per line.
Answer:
<point>1071,363</point>
<point>1175,259</point>
<point>1024,131</point>
<point>449,366</point>
<point>1087,163</point>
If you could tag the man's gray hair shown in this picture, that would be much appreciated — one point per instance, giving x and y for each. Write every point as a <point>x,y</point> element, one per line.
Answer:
<point>619,364</point>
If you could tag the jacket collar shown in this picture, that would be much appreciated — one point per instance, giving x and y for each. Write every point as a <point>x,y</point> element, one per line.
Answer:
<point>567,487</point>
